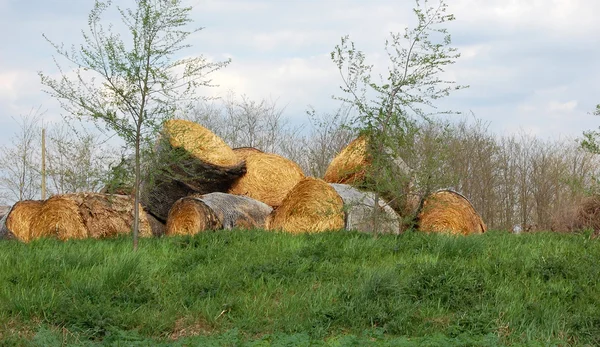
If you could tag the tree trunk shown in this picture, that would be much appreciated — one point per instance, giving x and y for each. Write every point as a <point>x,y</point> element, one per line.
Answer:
<point>136,200</point>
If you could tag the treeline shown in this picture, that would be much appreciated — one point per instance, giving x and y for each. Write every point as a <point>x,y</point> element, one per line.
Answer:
<point>514,181</point>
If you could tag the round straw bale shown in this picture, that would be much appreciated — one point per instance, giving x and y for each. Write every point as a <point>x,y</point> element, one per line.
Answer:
<point>268,178</point>
<point>243,152</point>
<point>20,217</point>
<point>359,209</point>
<point>449,211</point>
<point>311,206</point>
<point>238,211</point>
<point>349,165</point>
<point>191,160</point>
<point>200,143</point>
<point>59,217</point>
<point>189,216</point>
<point>109,215</point>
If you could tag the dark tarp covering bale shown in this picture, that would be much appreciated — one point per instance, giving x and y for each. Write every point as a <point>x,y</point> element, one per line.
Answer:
<point>311,206</point>
<point>359,211</point>
<point>20,216</point>
<point>213,211</point>
<point>451,212</point>
<point>191,159</point>
<point>268,178</point>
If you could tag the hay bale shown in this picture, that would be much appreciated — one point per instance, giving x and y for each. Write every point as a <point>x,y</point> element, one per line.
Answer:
<point>268,178</point>
<point>213,211</point>
<point>189,216</point>
<point>20,216</point>
<point>110,215</point>
<point>449,211</point>
<point>359,209</point>
<point>238,211</point>
<point>191,160</point>
<point>311,206</point>
<point>243,152</point>
<point>59,217</point>
<point>82,215</point>
<point>349,166</point>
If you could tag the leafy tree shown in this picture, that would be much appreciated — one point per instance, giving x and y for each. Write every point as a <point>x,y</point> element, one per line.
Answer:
<point>132,87</point>
<point>389,110</point>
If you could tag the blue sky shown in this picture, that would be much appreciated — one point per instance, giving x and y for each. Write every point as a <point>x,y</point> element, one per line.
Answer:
<point>532,65</point>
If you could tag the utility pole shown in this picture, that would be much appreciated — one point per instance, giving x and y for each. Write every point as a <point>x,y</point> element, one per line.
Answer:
<point>43,164</point>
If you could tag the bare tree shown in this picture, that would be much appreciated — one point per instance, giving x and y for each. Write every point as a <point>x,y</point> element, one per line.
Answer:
<point>19,163</point>
<point>77,160</point>
<point>243,122</point>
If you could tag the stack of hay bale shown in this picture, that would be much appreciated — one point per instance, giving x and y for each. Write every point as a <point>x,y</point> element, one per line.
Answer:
<point>199,183</point>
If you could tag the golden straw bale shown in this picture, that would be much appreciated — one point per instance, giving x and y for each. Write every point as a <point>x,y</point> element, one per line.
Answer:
<point>449,211</point>
<point>348,167</point>
<point>189,216</point>
<point>311,206</point>
<point>268,178</point>
<point>59,217</point>
<point>109,215</point>
<point>243,152</point>
<point>200,142</point>
<point>20,217</point>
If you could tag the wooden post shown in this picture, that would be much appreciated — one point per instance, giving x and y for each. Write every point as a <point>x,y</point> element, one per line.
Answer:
<point>43,164</point>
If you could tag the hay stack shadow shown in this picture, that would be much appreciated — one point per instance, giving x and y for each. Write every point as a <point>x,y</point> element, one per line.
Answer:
<point>450,212</point>
<point>190,160</point>
<point>197,213</point>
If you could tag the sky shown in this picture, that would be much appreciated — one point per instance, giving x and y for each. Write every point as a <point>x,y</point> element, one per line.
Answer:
<point>531,65</point>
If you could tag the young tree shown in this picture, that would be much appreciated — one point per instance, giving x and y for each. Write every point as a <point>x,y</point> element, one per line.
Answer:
<point>387,110</point>
<point>132,86</point>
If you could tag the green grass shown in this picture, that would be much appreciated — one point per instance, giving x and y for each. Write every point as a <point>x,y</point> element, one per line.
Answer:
<point>335,289</point>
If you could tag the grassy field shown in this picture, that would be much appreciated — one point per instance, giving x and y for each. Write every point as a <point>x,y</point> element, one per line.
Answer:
<point>335,289</point>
